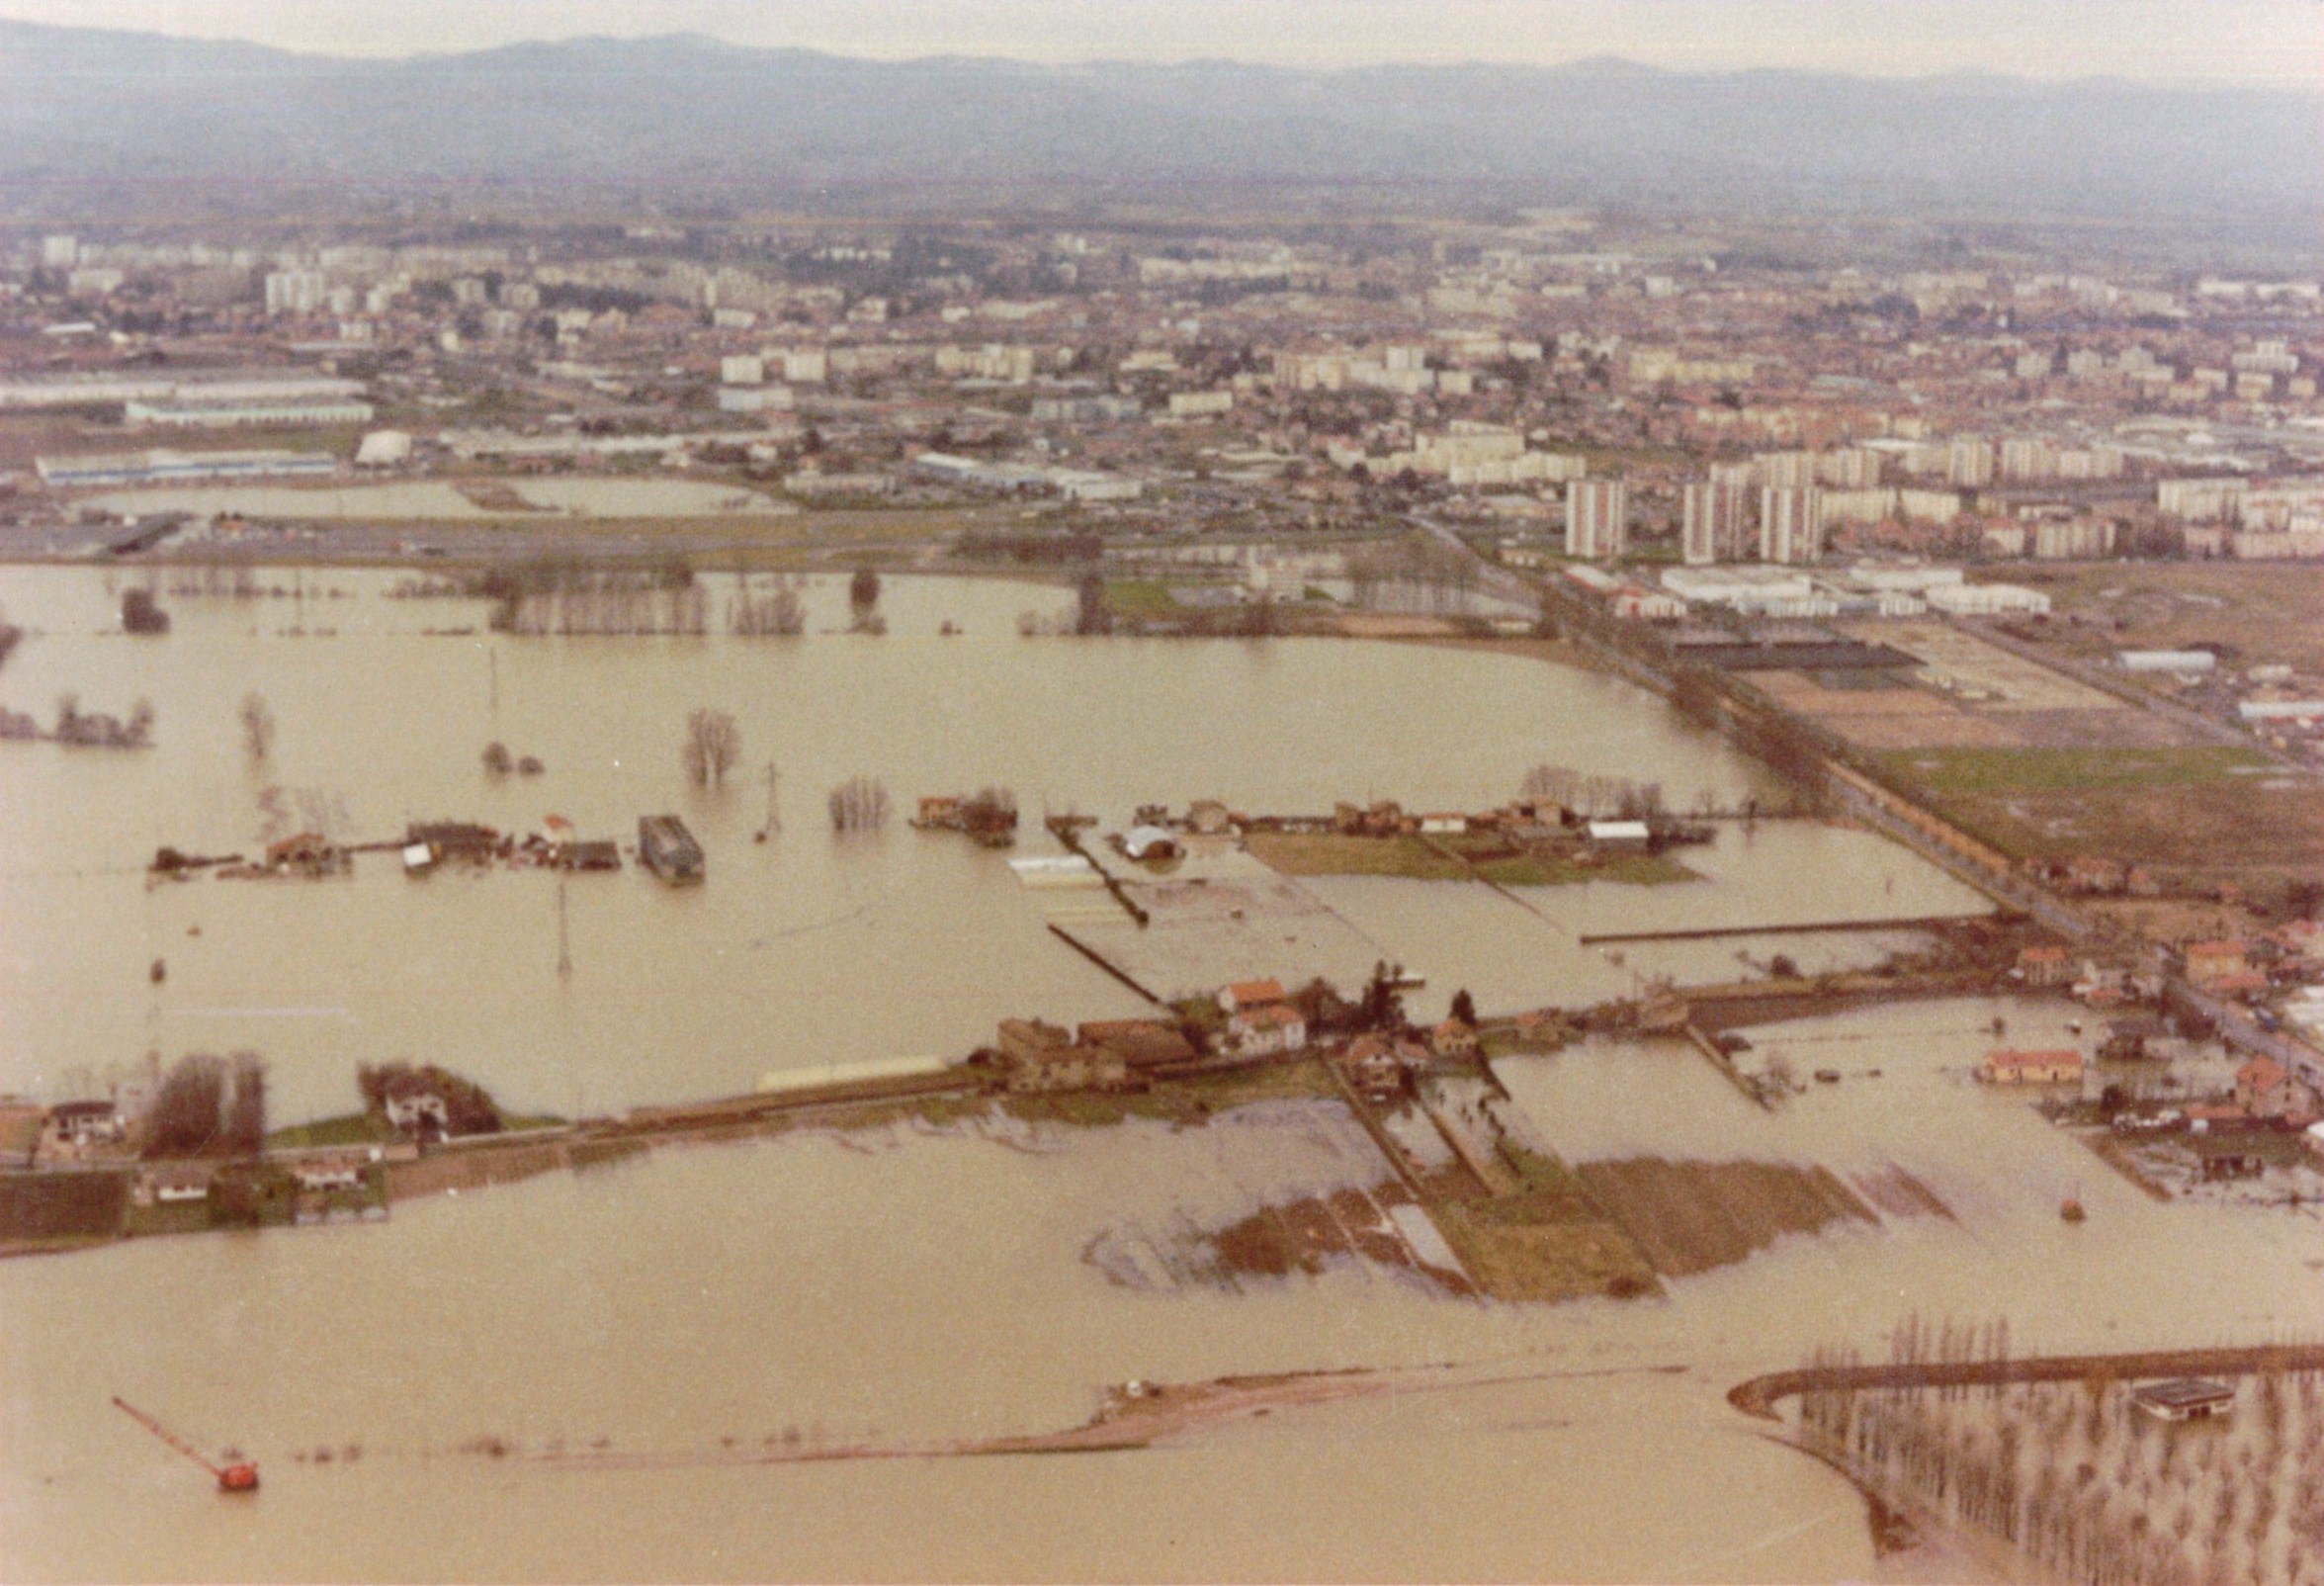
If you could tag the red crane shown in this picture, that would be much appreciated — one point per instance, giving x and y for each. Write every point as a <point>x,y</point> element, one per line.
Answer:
<point>240,1475</point>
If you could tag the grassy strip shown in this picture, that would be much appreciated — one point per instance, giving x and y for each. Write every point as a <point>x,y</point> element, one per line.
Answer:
<point>1625,869</point>
<point>1324,853</point>
<point>1139,597</point>
<point>1543,1260</point>
<point>373,1128</point>
<point>1410,858</point>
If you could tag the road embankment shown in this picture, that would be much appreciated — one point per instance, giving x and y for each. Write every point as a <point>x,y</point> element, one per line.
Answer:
<point>1760,1394</point>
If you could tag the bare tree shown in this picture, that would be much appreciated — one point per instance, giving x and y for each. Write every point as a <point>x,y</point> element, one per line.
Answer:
<point>258,727</point>
<point>320,811</point>
<point>713,745</point>
<point>777,614</point>
<point>859,804</point>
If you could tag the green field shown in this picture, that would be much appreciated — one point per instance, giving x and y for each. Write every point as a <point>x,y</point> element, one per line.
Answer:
<point>1974,771</point>
<point>1140,598</point>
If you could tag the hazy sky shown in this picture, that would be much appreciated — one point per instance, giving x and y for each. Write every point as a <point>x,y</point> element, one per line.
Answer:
<point>2232,40</point>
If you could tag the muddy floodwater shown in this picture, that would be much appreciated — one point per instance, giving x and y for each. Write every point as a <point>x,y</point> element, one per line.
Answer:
<point>913,1282</point>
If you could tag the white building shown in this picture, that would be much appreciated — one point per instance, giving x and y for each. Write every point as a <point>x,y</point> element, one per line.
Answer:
<point>1711,523</point>
<point>384,448</point>
<point>1792,526</point>
<point>228,414</point>
<point>1969,463</point>
<point>1202,404</point>
<point>1597,519</point>
<point>173,468</point>
<point>297,292</point>
<point>1985,599</point>
<point>2185,662</point>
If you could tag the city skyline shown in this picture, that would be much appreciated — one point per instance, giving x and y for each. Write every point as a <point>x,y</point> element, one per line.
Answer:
<point>2253,42</point>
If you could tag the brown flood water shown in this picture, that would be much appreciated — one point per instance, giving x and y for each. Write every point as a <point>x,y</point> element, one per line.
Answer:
<point>911,1284</point>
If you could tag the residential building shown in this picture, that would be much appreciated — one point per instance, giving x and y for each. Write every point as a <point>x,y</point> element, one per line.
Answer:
<point>1792,526</point>
<point>1712,524</point>
<point>2265,1089</point>
<point>1597,519</point>
<point>1268,1029</point>
<point>2047,965</point>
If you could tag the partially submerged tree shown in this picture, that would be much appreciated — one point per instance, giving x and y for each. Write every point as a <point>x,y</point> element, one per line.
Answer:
<point>141,614</point>
<point>1556,783</point>
<point>185,1117</point>
<point>859,804</point>
<point>258,727</point>
<point>498,763</point>
<point>713,745</point>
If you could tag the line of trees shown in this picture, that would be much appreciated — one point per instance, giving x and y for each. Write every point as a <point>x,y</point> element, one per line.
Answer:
<point>87,729</point>
<point>1617,796</point>
<point>2087,1487</point>
<point>776,614</point>
<point>568,597</point>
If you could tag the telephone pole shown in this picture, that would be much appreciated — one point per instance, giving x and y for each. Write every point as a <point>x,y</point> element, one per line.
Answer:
<point>565,942</point>
<point>774,809</point>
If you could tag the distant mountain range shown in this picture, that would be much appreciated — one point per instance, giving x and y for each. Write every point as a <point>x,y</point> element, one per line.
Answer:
<point>694,117</point>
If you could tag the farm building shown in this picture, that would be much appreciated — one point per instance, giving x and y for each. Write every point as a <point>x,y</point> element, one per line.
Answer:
<point>2185,1400</point>
<point>2059,1067</point>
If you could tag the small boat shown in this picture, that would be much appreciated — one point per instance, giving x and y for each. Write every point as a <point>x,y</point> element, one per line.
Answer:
<point>1827,1076</point>
<point>2071,1210</point>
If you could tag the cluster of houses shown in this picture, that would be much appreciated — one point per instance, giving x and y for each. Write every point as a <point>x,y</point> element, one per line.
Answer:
<point>988,817</point>
<point>1523,820</point>
<point>2048,966</point>
<point>557,845</point>
<point>1248,1021</point>
<point>2293,954</point>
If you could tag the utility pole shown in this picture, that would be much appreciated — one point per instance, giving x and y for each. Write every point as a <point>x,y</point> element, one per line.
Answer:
<point>565,943</point>
<point>774,809</point>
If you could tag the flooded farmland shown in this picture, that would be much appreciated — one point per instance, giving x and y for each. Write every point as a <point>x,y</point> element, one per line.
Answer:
<point>919,1281</point>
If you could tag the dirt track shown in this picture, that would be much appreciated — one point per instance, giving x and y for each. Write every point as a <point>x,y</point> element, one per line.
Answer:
<point>1159,1411</point>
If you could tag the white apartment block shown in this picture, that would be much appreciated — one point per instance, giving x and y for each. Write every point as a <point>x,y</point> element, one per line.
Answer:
<point>1597,519</point>
<point>1711,523</point>
<point>1791,525</point>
